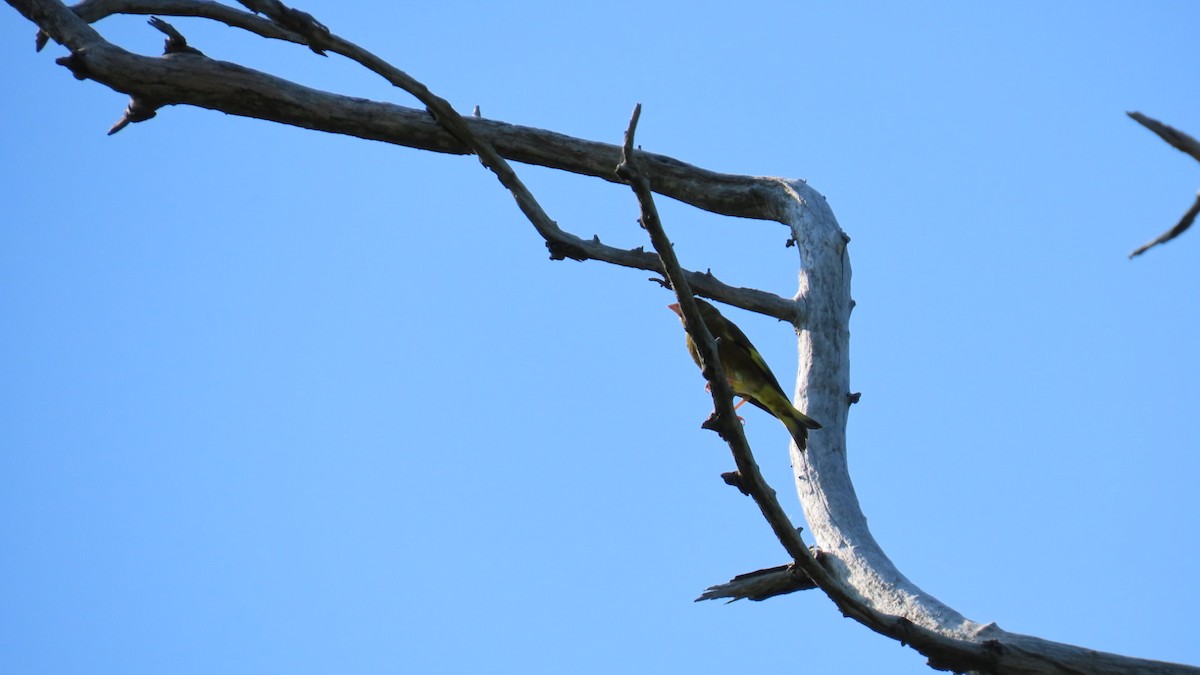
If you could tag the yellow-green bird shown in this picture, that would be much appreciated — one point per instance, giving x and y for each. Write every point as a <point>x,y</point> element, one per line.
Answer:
<point>748,374</point>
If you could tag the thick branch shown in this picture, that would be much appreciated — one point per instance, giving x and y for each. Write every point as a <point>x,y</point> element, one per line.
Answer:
<point>751,480</point>
<point>237,90</point>
<point>889,602</point>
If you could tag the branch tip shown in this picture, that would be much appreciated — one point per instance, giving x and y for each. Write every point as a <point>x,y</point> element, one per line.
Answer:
<point>175,43</point>
<point>626,169</point>
<point>138,110</point>
<point>1182,226</point>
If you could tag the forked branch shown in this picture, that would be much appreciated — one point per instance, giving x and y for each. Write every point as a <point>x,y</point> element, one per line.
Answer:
<point>1186,144</point>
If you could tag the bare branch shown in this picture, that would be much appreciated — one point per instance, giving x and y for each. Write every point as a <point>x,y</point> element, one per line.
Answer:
<point>1176,138</point>
<point>724,419</point>
<point>849,566</point>
<point>94,10</point>
<point>1184,143</point>
<point>176,43</point>
<point>316,34</point>
<point>761,584</point>
<point>750,479</point>
<point>237,90</point>
<point>1184,223</point>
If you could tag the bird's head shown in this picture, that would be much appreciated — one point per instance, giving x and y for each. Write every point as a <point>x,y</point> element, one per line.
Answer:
<point>707,311</point>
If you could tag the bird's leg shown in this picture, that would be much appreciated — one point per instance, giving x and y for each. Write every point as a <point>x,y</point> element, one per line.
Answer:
<point>708,388</point>
<point>738,405</point>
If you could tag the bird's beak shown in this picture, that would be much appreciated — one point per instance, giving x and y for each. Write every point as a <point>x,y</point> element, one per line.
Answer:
<point>674,307</point>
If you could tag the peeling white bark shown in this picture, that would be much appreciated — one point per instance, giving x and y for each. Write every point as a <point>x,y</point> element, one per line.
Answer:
<point>823,386</point>
<point>822,476</point>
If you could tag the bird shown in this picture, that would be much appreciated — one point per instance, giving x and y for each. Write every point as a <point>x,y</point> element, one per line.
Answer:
<point>748,374</point>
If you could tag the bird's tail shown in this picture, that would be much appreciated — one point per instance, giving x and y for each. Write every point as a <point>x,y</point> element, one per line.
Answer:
<point>798,424</point>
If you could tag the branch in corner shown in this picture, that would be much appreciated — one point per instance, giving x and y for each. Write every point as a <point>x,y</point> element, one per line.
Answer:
<point>1184,223</point>
<point>1186,144</point>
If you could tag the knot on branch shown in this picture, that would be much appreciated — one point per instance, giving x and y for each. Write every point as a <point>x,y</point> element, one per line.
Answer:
<point>983,660</point>
<point>715,422</point>
<point>561,250</point>
<point>734,479</point>
<point>903,630</point>
<point>316,34</point>
<point>76,62</point>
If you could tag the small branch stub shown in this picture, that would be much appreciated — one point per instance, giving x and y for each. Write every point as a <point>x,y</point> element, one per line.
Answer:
<point>761,584</point>
<point>75,63</point>
<point>138,110</point>
<point>176,43</point>
<point>734,479</point>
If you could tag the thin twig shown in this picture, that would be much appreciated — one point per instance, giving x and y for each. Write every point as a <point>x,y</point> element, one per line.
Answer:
<point>724,419</point>
<point>725,422</point>
<point>1176,138</point>
<point>1184,223</point>
<point>959,655</point>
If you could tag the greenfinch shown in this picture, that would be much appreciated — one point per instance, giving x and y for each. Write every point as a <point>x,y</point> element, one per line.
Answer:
<point>748,374</point>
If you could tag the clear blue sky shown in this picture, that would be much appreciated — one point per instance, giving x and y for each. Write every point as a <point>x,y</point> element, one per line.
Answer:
<point>277,401</point>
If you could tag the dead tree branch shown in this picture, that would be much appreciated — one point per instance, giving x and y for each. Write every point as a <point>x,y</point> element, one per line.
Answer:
<point>1186,144</point>
<point>1176,138</point>
<point>848,564</point>
<point>760,585</point>
<point>185,79</point>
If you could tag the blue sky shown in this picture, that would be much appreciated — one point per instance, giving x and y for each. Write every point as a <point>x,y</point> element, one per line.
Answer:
<point>278,401</point>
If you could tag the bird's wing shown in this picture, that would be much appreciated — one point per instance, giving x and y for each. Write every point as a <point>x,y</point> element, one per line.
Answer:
<point>743,344</point>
